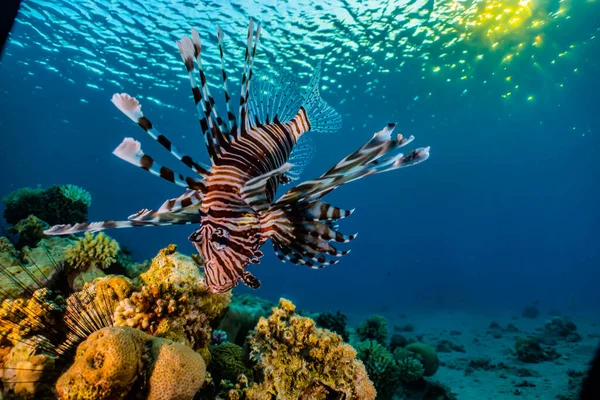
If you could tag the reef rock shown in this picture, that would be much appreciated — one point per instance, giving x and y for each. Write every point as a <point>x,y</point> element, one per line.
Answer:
<point>297,360</point>
<point>116,362</point>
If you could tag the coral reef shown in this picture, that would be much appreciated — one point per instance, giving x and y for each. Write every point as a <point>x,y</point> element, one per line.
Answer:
<point>334,322</point>
<point>21,318</point>
<point>426,355</point>
<point>561,328</point>
<point>373,328</point>
<point>29,230</point>
<point>116,361</point>
<point>88,256</point>
<point>173,301</point>
<point>381,368</point>
<point>529,350</point>
<point>397,341</point>
<point>242,315</point>
<point>227,362</point>
<point>296,359</point>
<point>24,367</point>
<point>31,268</point>
<point>57,204</point>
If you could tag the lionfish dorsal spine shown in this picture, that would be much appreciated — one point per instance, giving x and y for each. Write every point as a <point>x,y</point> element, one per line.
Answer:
<point>231,119</point>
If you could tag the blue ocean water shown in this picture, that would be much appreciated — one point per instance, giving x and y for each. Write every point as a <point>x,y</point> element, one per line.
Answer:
<point>505,212</point>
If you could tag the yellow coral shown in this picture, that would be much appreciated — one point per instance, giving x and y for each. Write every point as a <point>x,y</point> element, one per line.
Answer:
<point>21,318</point>
<point>114,361</point>
<point>24,368</point>
<point>298,359</point>
<point>173,301</point>
<point>92,250</point>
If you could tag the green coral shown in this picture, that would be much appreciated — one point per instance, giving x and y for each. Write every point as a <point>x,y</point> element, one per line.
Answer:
<point>76,193</point>
<point>54,205</point>
<point>410,370</point>
<point>426,355</point>
<point>373,328</point>
<point>227,362</point>
<point>381,368</point>
<point>296,359</point>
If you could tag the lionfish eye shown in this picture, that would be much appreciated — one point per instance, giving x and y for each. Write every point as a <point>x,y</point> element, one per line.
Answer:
<point>219,238</point>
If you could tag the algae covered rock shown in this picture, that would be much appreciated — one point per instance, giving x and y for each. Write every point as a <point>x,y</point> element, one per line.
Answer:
<point>295,359</point>
<point>116,361</point>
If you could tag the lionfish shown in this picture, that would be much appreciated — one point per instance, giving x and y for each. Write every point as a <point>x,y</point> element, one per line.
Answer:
<point>251,155</point>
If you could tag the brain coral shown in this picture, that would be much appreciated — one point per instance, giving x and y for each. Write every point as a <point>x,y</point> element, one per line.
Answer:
<point>115,362</point>
<point>298,360</point>
<point>173,301</point>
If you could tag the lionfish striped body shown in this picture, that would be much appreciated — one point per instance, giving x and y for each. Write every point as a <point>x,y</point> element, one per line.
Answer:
<point>233,199</point>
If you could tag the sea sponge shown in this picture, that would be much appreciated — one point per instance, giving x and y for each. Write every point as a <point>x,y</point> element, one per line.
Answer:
<point>381,368</point>
<point>227,362</point>
<point>373,328</point>
<point>173,301</point>
<point>57,204</point>
<point>426,355</point>
<point>24,368</point>
<point>296,359</point>
<point>114,362</point>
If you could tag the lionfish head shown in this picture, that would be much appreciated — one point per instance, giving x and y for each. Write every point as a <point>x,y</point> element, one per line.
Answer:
<point>226,254</point>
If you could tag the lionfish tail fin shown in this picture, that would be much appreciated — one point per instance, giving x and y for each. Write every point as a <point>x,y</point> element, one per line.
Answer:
<point>301,233</point>
<point>321,116</point>
<point>376,156</point>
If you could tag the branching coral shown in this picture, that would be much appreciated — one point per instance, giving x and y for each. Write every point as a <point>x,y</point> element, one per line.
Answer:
<point>373,328</point>
<point>381,367</point>
<point>92,250</point>
<point>173,301</point>
<point>88,256</point>
<point>115,362</point>
<point>298,359</point>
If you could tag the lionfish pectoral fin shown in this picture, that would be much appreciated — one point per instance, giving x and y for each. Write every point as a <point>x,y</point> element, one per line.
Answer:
<point>368,160</point>
<point>302,233</point>
<point>254,191</point>
<point>132,108</point>
<point>130,150</point>
<point>60,230</point>
<point>250,280</point>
